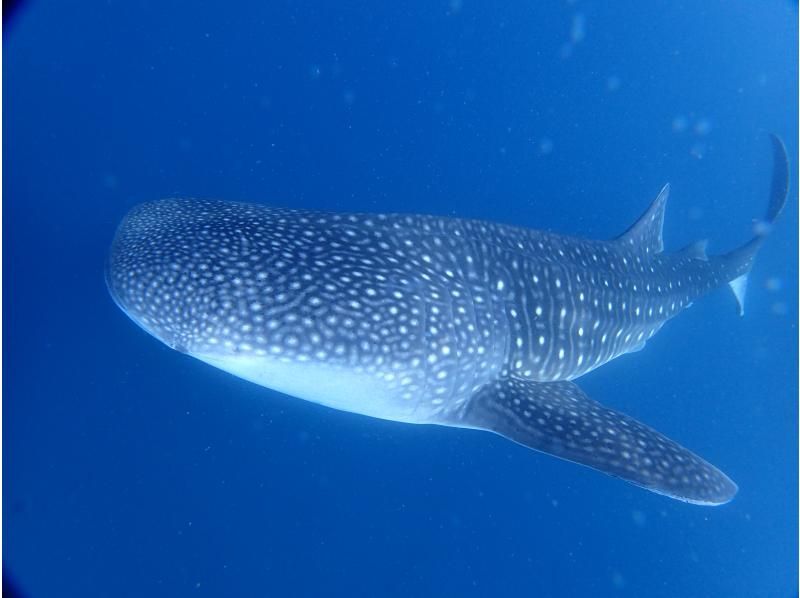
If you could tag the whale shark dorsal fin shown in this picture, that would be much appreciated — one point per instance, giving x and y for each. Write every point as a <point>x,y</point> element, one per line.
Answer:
<point>646,232</point>
<point>559,419</point>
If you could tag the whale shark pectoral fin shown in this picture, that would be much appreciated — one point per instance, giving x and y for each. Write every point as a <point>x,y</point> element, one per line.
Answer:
<point>560,419</point>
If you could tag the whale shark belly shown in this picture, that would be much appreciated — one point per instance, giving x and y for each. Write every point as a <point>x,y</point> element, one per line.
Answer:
<point>385,395</point>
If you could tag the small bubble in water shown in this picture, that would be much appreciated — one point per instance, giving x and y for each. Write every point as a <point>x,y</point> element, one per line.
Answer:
<point>698,151</point>
<point>613,83</point>
<point>702,127</point>
<point>679,124</point>
<point>779,308</point>
<point>110,181</point>
<point>578,30</point>
<point>545,146</point>
<point>617,580</point>
<point>761,228</point>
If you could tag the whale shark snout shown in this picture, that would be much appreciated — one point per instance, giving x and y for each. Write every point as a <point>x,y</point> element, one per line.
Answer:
<point>145,269</point>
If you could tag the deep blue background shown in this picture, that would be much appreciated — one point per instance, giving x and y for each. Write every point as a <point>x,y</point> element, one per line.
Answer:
<point>132,470</point>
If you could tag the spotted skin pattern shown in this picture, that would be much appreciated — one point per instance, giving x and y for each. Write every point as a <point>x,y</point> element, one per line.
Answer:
<point>559,419</point>
<point>424,319</point>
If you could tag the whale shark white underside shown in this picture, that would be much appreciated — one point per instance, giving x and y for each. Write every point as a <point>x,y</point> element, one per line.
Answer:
<point>425,319</point>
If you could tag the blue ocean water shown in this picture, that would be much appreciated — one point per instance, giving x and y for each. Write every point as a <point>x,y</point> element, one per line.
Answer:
<point>132,470</point>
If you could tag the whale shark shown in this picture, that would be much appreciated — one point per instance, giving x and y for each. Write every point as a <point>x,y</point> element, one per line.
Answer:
<point>432,320</point>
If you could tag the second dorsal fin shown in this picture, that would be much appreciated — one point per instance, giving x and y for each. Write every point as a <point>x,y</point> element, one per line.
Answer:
<point>696,250</point>
<point>645,234</point>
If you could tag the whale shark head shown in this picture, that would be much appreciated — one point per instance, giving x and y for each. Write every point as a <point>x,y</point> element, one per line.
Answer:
<point>311,304</point>
<point>185,272</point>
<point>223,277</point>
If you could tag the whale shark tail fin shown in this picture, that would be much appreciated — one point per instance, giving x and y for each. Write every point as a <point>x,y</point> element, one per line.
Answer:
<point>559,419</point>
<point>738,263</point>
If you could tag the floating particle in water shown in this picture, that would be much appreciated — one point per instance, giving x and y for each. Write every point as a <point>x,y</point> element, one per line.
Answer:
<point>349,97</point>
<point>679,124</point>
<point>617,580</point>
<point>577,32</point>
<point>315,71</point>
<point>578,29</point>
<point>761,228</point>
<point>456,6</point>
<point>702,127</point>
<point>110,181</point>
<point>613,83</point>
<point>698,151</point>
<point>774,284</point>
<point>695,213</point>
<point>779,308</point>
<point>545,146</point>
<point>639,518</point>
